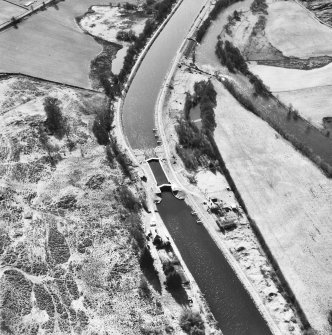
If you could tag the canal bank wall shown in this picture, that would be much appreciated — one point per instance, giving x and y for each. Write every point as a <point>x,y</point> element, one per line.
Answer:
<point>7,75</point>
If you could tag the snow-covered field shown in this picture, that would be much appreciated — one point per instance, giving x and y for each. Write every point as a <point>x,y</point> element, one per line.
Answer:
<point>309,91</point>
<point>295,32</point>
<point>289,199</point>
<point>281,79</point>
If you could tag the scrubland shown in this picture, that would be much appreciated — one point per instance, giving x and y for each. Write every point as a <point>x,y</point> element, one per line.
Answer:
<point>71,243</point>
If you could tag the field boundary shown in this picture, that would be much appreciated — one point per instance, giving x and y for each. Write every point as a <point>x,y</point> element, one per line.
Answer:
<point>313,15</point>
<point>5,75</point>
<point>7,24</point>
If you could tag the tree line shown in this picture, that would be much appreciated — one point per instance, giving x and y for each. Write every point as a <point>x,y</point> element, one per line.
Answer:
<point>162,9</point>
<point>219,6</point>
<point>194,146</point>
<point>231,57</point>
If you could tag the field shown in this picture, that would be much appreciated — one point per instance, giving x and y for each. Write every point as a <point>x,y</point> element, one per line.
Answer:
<point>7,11</point>
<point>24,2</point>
<point>288,198</point>
<point>309,91</point>
<point>314,103</point>
<point>50,45</point>
<point>308,39</point>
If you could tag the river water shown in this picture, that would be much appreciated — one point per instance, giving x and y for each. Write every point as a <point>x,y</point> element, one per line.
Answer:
<point>158,172</point>
<point>229,302</point>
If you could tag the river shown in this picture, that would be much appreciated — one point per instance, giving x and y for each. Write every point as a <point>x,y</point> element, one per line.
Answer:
<point>230,303</point>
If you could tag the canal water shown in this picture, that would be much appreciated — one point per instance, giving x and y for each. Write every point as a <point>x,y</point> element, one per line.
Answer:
<point>138,109</point>
<point>158,172</point>
<point>227,298</point>
<point>229,301</point>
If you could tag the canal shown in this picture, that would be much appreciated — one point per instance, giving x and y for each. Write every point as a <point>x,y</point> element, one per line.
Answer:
<point>227,298</point>
<point>230,303</point>
<point>158,172</point>
<point>139,104</point>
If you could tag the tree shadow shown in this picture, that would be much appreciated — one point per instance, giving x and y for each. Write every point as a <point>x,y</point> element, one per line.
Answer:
<point>149,271</point>
<point>152,277</point>
<point>180,296</point>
